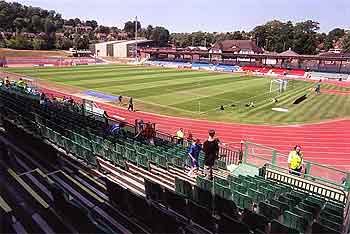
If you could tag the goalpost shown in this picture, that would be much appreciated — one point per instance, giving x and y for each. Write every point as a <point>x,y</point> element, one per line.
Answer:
<point>278,85</point>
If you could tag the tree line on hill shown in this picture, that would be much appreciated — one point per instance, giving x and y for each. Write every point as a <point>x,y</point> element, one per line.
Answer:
<point>302,37</point>
<point>27,27</point>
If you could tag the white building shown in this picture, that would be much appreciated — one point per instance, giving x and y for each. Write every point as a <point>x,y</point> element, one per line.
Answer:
<point>119,49</point>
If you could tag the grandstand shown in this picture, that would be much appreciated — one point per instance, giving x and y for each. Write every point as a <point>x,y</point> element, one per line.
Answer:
<point>64,174</point>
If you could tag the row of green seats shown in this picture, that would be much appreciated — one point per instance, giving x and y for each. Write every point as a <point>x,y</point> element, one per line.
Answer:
<point>69,145</point>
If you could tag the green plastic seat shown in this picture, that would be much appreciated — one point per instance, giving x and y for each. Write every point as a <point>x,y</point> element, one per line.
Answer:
<point>143,161</point>
<point>221,164</point>
<point>281,205</point>
<point>98,149</point>
<point>250,185</point>
<point>334,208</point>
<point>203,197</point>
<point>256,195</point>
<point>221,181</point>
<point>178,162</point>
<point>222,191</point>
<point>294,221</point>
<point>183,188</point>
<point>269,193</point>
<point>130,155</point>
<point>234,186</point>
<point>204,183</point>
<point>331,224</point>
<point>308,216</point>
<point>291,203</point>
<point>269,211</point>
<point>162,161</point>
<point>242,201</point>
<point>242,189</point>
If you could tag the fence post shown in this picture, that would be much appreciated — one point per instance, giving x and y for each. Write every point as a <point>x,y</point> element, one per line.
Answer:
<point>274,155</point>
<point>347,182</point>
<point>245,152</point>
<point>308,168</point>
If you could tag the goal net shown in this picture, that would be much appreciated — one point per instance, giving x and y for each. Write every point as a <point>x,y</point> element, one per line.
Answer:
<point>278,85</point>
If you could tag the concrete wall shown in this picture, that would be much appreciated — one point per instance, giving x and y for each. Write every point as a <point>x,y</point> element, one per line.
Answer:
<point>101,50</point>
<point>120,50</point>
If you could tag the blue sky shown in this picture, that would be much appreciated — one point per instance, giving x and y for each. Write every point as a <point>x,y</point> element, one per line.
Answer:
<point>205,15</point>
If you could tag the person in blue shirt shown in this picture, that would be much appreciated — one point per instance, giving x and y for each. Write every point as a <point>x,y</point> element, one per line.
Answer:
<point>117,129</point>
<point>193,153</point>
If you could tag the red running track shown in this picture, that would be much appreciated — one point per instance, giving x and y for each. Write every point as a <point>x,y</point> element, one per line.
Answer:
<point>327,143</point>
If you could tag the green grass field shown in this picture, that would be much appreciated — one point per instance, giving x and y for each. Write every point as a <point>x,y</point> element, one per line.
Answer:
<point>198,94</point>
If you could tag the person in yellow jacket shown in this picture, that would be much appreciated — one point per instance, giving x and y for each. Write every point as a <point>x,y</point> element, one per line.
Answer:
<point>180,134</point>
<point>295,161</point>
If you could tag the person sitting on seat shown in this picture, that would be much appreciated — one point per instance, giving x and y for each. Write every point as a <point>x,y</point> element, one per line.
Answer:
<point>295,161</point>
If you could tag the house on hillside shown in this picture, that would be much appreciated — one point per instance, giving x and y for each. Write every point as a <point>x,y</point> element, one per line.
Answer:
<point>236,47</point>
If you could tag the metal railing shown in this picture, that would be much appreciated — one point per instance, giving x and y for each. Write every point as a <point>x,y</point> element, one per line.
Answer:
<point>259,155</point>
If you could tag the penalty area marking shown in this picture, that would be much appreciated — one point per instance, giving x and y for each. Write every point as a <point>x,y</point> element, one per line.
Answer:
<point>278,109</point>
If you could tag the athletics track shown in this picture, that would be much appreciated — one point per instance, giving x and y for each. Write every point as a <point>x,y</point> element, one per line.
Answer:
<point>327,143</point>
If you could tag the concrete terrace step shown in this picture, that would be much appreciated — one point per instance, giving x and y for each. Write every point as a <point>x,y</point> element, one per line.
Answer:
<point>127,179</point>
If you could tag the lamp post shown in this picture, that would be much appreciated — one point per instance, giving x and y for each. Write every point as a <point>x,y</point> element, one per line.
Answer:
<point>136,38</point>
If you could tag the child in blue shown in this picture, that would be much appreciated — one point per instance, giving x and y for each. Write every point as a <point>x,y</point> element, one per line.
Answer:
<point>193,153</point>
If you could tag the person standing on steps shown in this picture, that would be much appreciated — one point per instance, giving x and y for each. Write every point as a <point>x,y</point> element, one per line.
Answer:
<point>211,150</point>
<point>193,153</point>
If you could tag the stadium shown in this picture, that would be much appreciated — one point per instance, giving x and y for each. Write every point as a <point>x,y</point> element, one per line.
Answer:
<point>119,139</point>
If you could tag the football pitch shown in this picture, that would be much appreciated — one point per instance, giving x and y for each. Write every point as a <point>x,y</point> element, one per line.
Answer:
<point>199,94</point>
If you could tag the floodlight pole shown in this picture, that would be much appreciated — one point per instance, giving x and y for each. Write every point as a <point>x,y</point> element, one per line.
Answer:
<point>136,38</point>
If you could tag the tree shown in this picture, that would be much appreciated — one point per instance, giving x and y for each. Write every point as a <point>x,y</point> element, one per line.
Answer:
<point>81,41</point>
<point>70,22</point>
<point>305,40</point>
<point>148,31</point>
<point>346,43</point>
<point>36,23</point>
<point>160,36</point>
<point>19,42</point>
<point>332,37</point>
<point>92,23</point>
<point>103,29</point>
<point>19,24</point>
<point>63,43</point>
<point>129,27</point>
<point>39,44</point>
<point>49,26</point>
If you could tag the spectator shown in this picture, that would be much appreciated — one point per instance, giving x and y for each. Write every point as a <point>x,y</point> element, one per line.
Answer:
<point>42,99</point>
<point>148,133</point>
<point>211,150</point>
<point>295,161</point>
<point>20,83</point>
<point>193,153</point>
<point>7,83</point>
<point>118,130</point>
<point>140,126</point>
<point>190,137</point>
<point>131,105</point>
<point>180,136</point>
